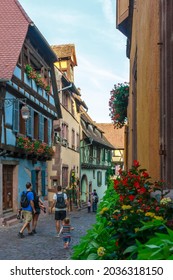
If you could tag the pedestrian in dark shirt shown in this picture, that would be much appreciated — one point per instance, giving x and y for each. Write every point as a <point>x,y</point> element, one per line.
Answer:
<point>38,204</point>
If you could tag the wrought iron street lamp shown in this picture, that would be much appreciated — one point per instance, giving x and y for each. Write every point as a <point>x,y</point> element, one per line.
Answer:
<point>25,116</point>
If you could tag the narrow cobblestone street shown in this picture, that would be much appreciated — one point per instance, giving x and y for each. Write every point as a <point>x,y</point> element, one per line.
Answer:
<point>44,245</point>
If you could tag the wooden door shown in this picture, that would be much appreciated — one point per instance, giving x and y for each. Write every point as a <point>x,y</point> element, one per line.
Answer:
<point>7,187</point>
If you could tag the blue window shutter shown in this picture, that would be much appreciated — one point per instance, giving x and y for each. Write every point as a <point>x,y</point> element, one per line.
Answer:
<point>30,123</point>
<point>43,182</point>
<point>33,179</point>
<point>49,132</point>
<point>16,116</point>
<point>41,127</point>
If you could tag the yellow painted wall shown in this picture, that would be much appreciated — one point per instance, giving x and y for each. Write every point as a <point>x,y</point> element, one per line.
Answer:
<point>61,64</point>
<point>145,37</point>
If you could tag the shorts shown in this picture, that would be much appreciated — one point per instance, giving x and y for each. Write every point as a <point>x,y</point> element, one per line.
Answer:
<point>60,215</point>
<point>37,211</point>
<point>67,239</point>
<point>27,215</point>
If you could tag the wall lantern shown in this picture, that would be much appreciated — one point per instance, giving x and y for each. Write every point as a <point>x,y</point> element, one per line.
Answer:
<point>25,112</point>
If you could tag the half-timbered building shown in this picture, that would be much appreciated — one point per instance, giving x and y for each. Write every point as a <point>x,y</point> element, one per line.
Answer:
<point>28,105</point>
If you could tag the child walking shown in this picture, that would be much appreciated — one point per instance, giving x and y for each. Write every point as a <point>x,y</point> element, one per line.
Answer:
<point>66,232</point>
<point>89,206</point>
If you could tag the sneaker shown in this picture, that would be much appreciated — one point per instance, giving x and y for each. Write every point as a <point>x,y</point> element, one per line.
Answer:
<point>58,235</point>
<point>30,233</point>
<point>20,234</point>
<point>34,231</point>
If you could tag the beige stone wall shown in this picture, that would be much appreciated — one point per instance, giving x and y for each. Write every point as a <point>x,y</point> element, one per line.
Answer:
<point>145,38</point>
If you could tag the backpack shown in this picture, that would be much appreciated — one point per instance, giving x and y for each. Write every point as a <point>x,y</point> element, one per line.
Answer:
<point>60,202</point>
<point>24,202</point>
<point>96,198</point>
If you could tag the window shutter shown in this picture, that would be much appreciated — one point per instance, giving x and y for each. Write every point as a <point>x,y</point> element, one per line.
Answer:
<point>43,182</point>
<point>99,178</point>
<point>109,156</point>
<point>41,127</point>
<point>49,132</point>
<point>16,116</point>
<point>33,179</point>
<point>30,123</point>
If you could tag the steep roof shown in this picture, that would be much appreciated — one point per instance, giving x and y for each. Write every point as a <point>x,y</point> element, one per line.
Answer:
<point>65,51</point>
<point>96,134</point>
<point>14,24</point>
<point>114,136</point>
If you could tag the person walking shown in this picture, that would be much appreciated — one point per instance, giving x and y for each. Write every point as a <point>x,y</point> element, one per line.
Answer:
<point>95,200</point>
<point>60,203</point>
<point>89,206</point>
<point>39,205</point>
<point>27,210</point>
<point>66,232</point>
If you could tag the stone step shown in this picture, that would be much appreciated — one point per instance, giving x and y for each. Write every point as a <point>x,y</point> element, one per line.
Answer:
<point>9,219</point>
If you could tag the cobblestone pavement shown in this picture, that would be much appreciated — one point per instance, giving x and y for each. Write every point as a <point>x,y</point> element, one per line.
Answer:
<point>44,245</point>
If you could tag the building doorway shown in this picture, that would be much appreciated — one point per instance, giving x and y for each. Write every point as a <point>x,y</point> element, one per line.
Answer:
<point>8,187</point>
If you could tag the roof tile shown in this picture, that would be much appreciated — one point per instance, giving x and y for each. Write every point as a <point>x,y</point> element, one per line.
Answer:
<point>14,24</point>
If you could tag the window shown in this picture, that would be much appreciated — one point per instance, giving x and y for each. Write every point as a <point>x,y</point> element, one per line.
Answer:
<point>65,99</point>
<point>77,142</point>
<point>98,155</point>
<point>73,139</point>
<point>37,126</point>
<point>103,155</point>
<point>72,107</point>
<point>65,176</point>
<point>91,158</point>
<point>64,131</point>
<point>99,178</point>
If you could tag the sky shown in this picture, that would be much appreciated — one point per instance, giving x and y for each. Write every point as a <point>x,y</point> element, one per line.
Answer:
<point>100,48</point>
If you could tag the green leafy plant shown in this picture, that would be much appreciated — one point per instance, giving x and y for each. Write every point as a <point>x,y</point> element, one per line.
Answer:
<point>159,247</point>
<point>118,103</point>
<point>127,216</point>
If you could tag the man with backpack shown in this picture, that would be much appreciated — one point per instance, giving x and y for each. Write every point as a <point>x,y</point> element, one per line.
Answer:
<point>95,200</point>
<point>27,205</point>
<point>60,204</point>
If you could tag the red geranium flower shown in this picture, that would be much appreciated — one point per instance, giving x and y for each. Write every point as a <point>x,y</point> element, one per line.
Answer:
<point>145,174</point>
<point>136,185</point>
<point>136,163</point>
<point>131,197</point>
<point>142,190</point>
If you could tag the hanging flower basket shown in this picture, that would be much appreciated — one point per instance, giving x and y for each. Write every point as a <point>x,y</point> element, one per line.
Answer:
<point>118,104</point>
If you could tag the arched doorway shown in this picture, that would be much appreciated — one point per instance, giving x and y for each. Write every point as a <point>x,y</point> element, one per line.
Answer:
<point>84,188</point>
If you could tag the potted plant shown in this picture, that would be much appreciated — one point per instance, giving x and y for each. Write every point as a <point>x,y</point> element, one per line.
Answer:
<point>118,104</point>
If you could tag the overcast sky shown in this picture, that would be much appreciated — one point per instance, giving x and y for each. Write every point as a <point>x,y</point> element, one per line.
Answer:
<point>100,47</point>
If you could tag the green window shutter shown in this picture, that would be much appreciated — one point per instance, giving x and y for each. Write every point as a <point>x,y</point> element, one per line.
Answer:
<point>30,123</point>
<point>33,179</point>
<point>16,116</point>
<point>41,127</point>
<point>103,154</point>
<point>109,156</point>
<point>43,182</point>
